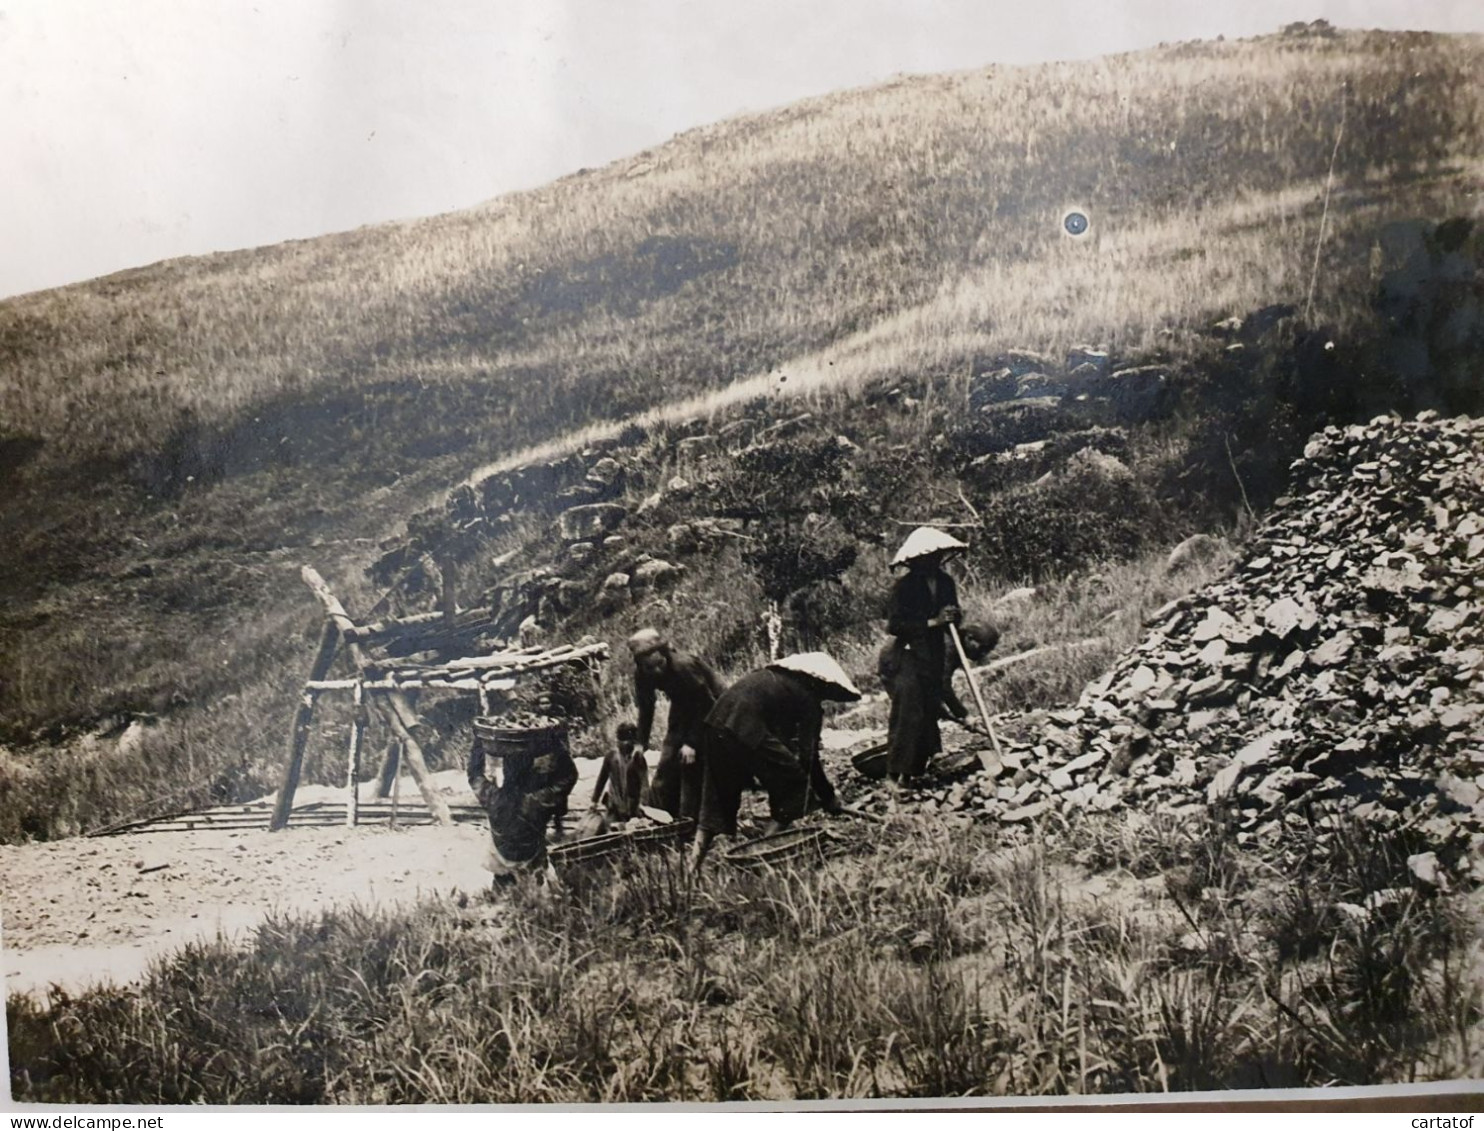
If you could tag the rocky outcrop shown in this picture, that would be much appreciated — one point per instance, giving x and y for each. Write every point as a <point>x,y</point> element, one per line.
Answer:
<point>584,523</point>
<point>1195,551</point>
<point>695,449</point>
<point>1137,393</point>
<point>1337,668</point>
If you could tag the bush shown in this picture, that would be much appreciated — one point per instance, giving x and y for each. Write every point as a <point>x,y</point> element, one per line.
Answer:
<point>1075,518</point>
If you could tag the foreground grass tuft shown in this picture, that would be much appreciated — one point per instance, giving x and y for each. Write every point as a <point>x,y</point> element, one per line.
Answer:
<point>918,963</point>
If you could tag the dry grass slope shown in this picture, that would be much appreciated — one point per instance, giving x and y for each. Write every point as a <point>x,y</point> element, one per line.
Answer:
<point>895,212</point>
<point>177,439</point>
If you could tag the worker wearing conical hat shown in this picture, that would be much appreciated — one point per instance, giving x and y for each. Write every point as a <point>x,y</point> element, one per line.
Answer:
<point>923,603</point>
<point>764,732</point>
<point>691,686</point>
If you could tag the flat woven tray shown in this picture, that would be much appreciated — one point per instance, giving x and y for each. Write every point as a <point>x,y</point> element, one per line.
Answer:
<point>607,846</point>
<point>781,847</point>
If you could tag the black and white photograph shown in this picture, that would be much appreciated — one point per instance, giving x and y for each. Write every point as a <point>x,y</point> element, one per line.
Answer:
<point>817,555</point>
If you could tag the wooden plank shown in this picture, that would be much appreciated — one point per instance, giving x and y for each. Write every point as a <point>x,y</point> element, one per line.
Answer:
<point>483,683</point>
<point>322,820</point>
<point>368,633</point>
<point>501,662</point>
<point>299,732</point>
<point>430,624</point>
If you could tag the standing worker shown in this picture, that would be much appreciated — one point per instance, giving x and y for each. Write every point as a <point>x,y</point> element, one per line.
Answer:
<point>765,731</point>
<point>692,688</point>
<point>923,603</point>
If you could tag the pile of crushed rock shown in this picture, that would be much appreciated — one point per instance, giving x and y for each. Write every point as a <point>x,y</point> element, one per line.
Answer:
<point>1337,669</point>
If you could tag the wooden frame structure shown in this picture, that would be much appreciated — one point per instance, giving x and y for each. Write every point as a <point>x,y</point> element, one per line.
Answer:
<point>384,684</point>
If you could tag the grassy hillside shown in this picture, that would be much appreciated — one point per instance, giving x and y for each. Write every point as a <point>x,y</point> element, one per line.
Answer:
<point>744,246</point>
<point>177,439</point>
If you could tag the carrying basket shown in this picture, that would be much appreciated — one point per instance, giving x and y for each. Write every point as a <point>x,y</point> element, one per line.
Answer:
<point>873,762</point>
<point>505,738</point>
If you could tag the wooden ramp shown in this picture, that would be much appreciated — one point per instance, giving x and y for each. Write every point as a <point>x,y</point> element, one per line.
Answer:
<point>259,814</point>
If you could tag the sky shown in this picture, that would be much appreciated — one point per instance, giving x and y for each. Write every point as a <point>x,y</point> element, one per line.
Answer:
<point>138,130</point>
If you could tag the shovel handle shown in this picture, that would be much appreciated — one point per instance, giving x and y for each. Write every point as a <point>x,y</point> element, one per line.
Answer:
<point>958,646</point>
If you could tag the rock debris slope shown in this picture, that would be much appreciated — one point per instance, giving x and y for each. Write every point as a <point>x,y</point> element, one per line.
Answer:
<point>1337,668</point>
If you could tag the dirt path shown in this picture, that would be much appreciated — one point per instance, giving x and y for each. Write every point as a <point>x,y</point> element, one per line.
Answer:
<point>81,911</point>
<point>87,910</point>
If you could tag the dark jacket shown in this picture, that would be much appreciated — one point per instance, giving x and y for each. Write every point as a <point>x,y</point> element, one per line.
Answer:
<point>534,789</point>
<point>889,664</point>
<point>691,686</point>
<point>775,714</point>
<point>916,598</point>
<point>915,668</point>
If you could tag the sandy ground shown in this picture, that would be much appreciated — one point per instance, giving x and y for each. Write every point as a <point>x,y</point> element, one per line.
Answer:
<point>88,910</point>
<point>78,912</point>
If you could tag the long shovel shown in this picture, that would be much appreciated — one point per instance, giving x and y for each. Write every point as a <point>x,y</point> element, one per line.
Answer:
<point>993,762</point>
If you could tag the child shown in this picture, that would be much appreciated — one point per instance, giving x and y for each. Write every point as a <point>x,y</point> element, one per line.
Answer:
<point>626,775</point>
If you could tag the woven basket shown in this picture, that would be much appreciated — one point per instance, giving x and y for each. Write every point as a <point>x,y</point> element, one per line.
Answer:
<point>502,740</point>
<point>872,763</point>
<point>610,846</point>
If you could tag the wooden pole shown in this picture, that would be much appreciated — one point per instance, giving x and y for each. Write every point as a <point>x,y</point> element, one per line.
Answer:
<point>353,759</point>
<point>394,707</point>
<point>410,684</point>
<point>1018,660</point>
<point>299,732</point>
<point>394,710</point>
<point>993,763</point>
<point>390,759</point>
<point>397,782</point>
<point>392,626</point>
<point>447,601</point>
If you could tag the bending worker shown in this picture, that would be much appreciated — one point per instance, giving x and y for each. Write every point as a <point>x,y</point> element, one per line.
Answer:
<point>692,688</point>
<point>764,731</point>
<point>915,667</point>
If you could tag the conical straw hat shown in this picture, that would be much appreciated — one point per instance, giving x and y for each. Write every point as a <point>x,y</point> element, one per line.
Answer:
<point>926,540</point>
<point>822,667</point>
